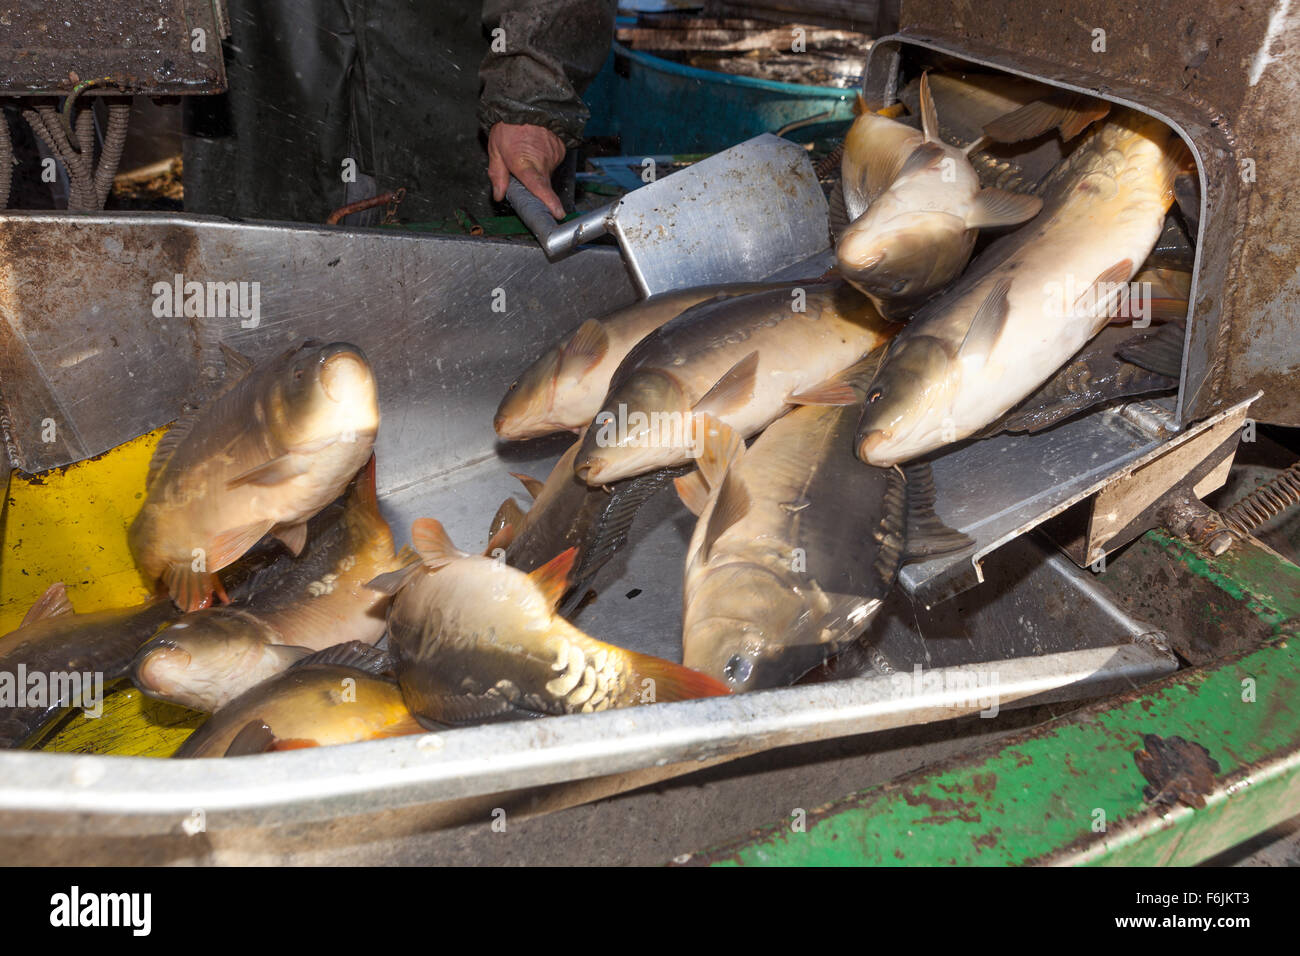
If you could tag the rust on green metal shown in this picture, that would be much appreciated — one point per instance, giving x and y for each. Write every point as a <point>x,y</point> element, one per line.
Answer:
<point>1071,791</point>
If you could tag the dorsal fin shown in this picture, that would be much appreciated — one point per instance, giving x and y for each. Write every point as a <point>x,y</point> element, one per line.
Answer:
<point>1069,112</point>
<point>357,655</point>
<point>987,324</point>
<point>531,484</point>
<point>552,578</point>
<point>168,444</point>
<point>733,390</point>
<point>53,603</point>
<point>430,540</point>
<point>391,582</point>
<point>586,348</point>
<point>929,118</point>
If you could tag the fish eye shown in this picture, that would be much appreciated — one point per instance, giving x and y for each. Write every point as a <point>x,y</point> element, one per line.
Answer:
<point>875,395</point>
<point>898,286</point>
<point>297,374</point>
<point>738,669</point>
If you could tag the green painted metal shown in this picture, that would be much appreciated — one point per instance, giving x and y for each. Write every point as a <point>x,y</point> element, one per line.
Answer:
<point>1070,791</point>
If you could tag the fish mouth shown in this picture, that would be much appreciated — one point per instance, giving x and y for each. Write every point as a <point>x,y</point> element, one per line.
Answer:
<point>155,661</point>
<point>498,423</point>
<point>589,469</point>
<point>343,372</point>
<point>871,442</point>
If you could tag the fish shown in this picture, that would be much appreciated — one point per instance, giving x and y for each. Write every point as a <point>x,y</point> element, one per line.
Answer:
<point>917,207</point>
<point>340,695</point>
<point>57,658</point>
<point>745,361</point>
<point>562,390</point>
<point>797,543</point>
<point>477,641</point>
<point>1112,367</point>
<point>209,657</point>
<point>569,513</point>
<point>965,102</point>
<point>273,449</point>
<point>1031,300</point>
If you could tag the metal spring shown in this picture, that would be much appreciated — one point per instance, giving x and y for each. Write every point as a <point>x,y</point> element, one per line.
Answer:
<point>829,164</point>
<point>1265,502</point>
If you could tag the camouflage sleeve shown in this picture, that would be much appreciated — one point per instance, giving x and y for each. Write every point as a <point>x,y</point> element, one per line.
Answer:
<point>537,66</point>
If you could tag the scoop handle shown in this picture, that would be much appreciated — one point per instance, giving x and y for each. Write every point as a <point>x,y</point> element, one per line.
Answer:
<point>557,239</point>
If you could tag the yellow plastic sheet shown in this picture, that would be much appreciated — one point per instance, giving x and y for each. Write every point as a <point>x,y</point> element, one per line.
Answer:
<point>70,525</point>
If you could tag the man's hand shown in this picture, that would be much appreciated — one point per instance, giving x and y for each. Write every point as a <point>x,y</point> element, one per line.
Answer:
<point>530,154</point>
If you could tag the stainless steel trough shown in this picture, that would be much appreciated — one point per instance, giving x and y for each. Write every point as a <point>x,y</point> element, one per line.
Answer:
<point>448,323</point>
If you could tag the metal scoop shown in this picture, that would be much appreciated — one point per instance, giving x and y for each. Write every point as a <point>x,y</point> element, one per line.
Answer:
<point>740,215</point>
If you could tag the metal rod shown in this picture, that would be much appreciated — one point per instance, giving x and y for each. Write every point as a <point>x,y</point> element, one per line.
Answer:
<point>556,239</point>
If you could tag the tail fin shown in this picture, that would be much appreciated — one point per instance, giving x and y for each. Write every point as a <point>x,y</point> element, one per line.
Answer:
<point>660,681</point>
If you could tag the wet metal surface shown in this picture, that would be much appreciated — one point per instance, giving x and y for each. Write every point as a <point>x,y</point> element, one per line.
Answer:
<point>1071,791</point>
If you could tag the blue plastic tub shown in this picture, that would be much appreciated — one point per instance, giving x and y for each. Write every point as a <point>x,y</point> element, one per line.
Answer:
<point>658,106</point>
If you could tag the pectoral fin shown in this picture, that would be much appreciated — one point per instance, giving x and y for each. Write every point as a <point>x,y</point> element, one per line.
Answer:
<point>731,505</point>
<point>254,738</point>
<point>987,324</point>
<point>833,392</point>
<point>998,207</point>
<point>585,349</point>
<point>731,392</point>
<point>53,603</point>
<point>552,578</point>
<point>293,537</point>
<point>693,490</point>
<point>193,590</point>
<point>430,540</point>
<point>717,447</point>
